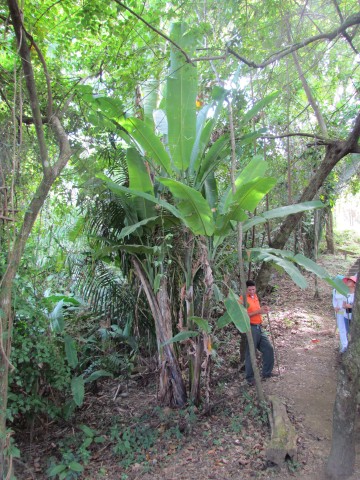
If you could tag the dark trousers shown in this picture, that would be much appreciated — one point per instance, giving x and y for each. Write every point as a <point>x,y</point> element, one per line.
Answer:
<point>261,343</point>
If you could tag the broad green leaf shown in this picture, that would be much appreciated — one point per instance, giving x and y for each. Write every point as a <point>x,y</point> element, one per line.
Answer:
<point>56,470</point>
<point>57,318</point>
<point>313,267</point>
<point>310,265</point>
<point>195,210</point>
<point>111,107</point>
<point>181,98</point>
<point>237,313</point>
<point>89,432</point>
<point>282,212</point>
<point>76,466</point>
<point>204,128</point>
<point>288,267</point>
<point>149,142</point>
<point>211,191</point>
<point>260,105</point>
<point>157,282</point>
<point>120,190</point>
<point>338,284</point>
<point>213,157</point>
<point>139,179</point>
<point>132,228</point>
<point>180,337</point>
<point>64,298</point>
<point>250,137</point>
<point>78,390</point>
<point>71,351</point>
<point>96,375</point>
<point>223,320</point>
<point>255,169</point>
<point>248,196</point>
<point>201,323</point>
<point>150,95</point>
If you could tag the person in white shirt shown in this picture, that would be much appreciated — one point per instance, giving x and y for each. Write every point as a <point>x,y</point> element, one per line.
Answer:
<point>338,301</point>
<point>349,300</point>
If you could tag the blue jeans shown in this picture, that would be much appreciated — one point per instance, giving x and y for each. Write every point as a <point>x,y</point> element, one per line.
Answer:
<point>347,324</point>
<point>261,343</point>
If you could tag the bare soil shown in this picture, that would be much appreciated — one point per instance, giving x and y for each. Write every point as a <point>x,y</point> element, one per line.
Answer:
<point>230,442</point>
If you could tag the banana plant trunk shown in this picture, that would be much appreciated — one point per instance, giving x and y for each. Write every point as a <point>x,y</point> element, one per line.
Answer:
<point>172,391</point>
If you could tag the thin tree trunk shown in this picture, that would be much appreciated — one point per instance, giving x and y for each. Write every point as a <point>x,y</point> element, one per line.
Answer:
<point>341,461</point>
<point>172,391</point>
<point>50,174</point>
<point>250,341</point>
<point>329,231</point>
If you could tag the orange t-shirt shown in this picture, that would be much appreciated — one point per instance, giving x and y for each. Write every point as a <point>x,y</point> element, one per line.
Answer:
<point>253,305</point>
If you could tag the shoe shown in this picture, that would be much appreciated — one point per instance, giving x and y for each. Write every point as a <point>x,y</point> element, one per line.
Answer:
<point>272,375</point>
<point>251,382</point>
<point>343,350</point>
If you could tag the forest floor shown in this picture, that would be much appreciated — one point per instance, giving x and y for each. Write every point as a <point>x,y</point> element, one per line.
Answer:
<point>128,437</point>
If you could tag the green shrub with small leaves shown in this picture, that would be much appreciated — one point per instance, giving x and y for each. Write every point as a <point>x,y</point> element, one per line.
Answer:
<point>41,377</point>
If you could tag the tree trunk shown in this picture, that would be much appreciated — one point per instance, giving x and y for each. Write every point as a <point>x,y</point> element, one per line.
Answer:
<point>335,151</point>
<point>50,174</point>
<point>172,391</point>
<point>341,461</point>
<point>329,231</point>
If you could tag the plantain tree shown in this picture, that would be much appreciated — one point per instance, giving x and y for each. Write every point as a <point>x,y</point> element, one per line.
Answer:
<point>174,214</point>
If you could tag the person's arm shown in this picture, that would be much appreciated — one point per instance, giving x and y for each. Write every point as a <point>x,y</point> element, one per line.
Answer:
<point>260,311</point>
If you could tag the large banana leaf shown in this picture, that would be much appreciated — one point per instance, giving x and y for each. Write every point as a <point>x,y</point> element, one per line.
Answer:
<point>246,198</point>
<point>282,212</point>
<point>256,168</point>
<point>211,191</point>
<point>121,190</point>
<point>195,210</point>
<point>313,267</point>
<point>205,126</point>
<point>139,179</point>
<point>149,98</point>
<point>149,142</point>
<point>213,157</point>
<point>257,108</point>
<point>237,313</point>
<point>181,98</point>
<point>286,265</point>
<point>126,231</point>
<point>180,337</point>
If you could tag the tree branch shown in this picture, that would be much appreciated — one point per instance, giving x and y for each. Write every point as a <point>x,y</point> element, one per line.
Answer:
<point>349,22</point>
<point>30,79</point>
<point>158,32</point>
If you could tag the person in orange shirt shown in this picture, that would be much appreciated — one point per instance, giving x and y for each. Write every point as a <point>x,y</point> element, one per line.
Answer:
<point>261,341</point>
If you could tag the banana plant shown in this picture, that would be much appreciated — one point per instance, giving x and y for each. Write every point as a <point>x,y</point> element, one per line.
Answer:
<point>172,186</point>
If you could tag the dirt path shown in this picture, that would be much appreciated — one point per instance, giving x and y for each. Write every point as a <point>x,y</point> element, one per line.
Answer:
<point>308,360</point>
<point>308,387</point>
